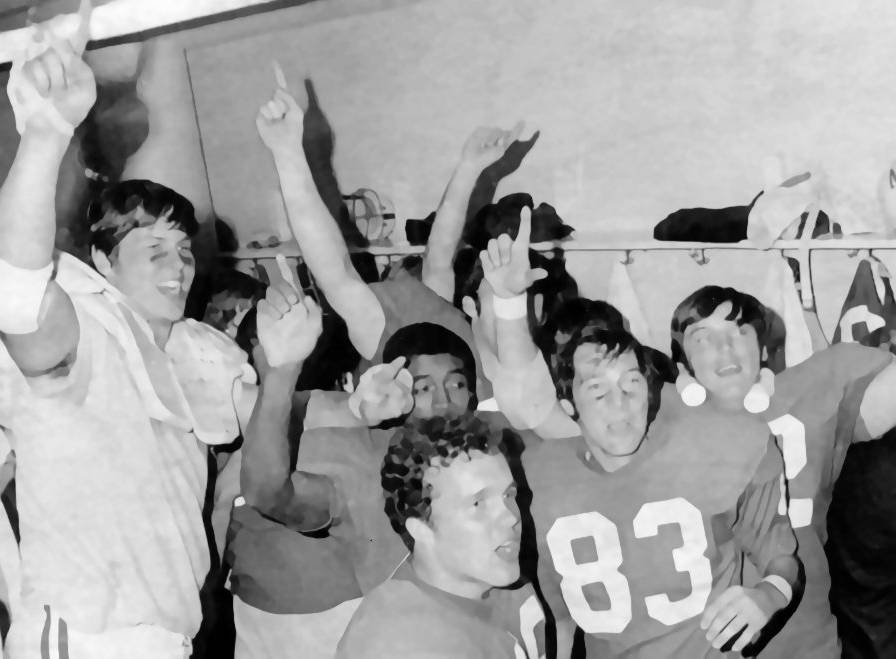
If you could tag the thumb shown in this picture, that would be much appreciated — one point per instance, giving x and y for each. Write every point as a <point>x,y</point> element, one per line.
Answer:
<point>285,97</point>
<point>469,307</point>
<point>536,274</point>
<point>390,370</point>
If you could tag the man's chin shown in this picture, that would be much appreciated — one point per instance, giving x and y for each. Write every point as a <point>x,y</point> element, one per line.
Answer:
<point>501,578</point>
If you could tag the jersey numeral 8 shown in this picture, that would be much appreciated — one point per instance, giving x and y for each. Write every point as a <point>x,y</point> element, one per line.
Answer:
<point>689,557</point>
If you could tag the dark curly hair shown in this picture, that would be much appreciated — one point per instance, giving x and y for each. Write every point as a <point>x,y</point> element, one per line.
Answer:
<point>116,212</point>
<point>436,442</point>
<point>617,342</point>
<point>745,309</point>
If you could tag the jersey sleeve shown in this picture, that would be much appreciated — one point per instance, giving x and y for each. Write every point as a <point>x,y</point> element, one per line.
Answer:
<point>853,367</point>
<point>763,528</point>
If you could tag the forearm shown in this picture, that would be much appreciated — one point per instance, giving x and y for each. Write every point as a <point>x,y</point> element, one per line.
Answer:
<point>515,344</point>
<point>787,568</point>
<point>299,500</point>
<point>325,253</point>
<point>264,477</point>
<point>566,630</point>
<point>447,229</point>
<point>28,201</point>
<point>323,248</point>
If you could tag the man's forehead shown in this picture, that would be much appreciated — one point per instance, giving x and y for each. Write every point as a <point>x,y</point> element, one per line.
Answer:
<point>718,318</point>
<point>424,364</point>
<point>163,227</point>
<point>160,226</point>
<point>469,473</point>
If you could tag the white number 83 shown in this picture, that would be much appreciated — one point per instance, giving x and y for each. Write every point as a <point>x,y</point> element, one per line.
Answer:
<point>689,557</point>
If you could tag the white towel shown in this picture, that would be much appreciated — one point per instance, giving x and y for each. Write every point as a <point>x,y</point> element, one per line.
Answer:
<point>622,295</point>
<point>780,294</point>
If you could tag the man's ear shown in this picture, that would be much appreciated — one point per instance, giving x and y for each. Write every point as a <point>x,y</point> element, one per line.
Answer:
<point>420,531</point>
<point>567,406</point>
<point>763,355</point>
<point>101,262</point>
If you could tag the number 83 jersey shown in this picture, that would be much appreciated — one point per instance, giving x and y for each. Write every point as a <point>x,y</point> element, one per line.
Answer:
<point>634,556</point>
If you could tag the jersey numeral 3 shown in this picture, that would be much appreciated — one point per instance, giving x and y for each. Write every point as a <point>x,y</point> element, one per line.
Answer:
<point>689,557</point>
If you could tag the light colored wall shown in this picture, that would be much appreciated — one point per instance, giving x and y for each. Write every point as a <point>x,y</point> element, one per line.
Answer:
<point>644,107</point>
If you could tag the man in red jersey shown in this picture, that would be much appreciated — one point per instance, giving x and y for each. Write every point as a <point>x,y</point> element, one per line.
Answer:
<point>641,519</point>
<point>450,495</point>
<point>839,395</point>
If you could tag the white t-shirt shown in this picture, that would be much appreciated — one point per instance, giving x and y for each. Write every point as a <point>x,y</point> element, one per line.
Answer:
<point>111,477</point>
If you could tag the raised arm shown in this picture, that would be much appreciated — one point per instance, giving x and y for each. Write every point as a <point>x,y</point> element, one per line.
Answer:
<point>50,93</point>
<point>279,124</point>
<point>878,410</point>
<point>480,150</point>
<point>522,382</point>
<point>288,328</point>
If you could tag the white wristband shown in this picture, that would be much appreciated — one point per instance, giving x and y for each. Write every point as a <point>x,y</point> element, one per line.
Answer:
<point>21,294</point>
<point>780,584</point>
<point>511,308</point>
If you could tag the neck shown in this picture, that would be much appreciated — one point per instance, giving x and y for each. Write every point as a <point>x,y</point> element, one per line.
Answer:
<point>725,404</point>
<point>161,330</point>
<point>434,574</point>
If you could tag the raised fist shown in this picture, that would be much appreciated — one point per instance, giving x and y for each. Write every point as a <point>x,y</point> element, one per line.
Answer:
<point>289,324</point>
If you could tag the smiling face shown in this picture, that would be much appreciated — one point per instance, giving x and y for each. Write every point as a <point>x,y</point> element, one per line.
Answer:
<point>440,386</point>
<point>724,355</point>
<point>153,267</point>
<point>611,396</point>
<point>474,525</point>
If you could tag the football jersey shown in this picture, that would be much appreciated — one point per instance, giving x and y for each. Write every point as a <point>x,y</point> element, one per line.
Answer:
<point>280,570</point>
<point>405,617</point>
<point>634,556</point>
<point>406,300</point>
<point>815,412</point>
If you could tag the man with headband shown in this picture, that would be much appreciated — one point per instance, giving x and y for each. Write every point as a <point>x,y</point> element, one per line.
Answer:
<point>120,394</point>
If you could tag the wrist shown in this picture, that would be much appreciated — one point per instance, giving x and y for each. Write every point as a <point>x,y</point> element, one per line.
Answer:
<point>778,590</point>
<point>467,169</point>
<point>512,307</point>
<point>282,373</point>
<point>46,138</point>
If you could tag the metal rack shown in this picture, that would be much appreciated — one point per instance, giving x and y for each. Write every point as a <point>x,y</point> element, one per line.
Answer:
<point>799,249</point>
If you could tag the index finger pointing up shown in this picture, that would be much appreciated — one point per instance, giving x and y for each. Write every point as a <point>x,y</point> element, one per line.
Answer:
<point>289,275</point>
<point>525,230</point>
<point>279,76</point>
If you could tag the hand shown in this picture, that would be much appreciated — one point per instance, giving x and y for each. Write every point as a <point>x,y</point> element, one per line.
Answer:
<point>486,145</point>
<point>57,81</point>
<point>289,323</point>
<point>384,392</point>
<point>736,609</point>
<point>280,121</point>
<point>505,263</point>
